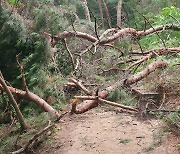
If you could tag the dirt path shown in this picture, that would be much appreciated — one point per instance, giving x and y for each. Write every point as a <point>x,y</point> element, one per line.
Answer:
<point>106,132</point>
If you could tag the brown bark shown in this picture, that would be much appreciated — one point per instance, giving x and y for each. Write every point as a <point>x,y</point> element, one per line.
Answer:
<point>107,13</point>
<point>14,103</point>
<point>145,72</point>
<point>105,40</point>
<point>106,102</point>
<point>101,12</point>
<point>119,10</point>
<point>160,51</point>
<point>34,98</point>
<point>89,104</point>
<point>86,9</point>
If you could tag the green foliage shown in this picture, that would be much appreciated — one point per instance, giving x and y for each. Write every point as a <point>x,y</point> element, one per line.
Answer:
<point>169,15</point>
<point>122,97</point>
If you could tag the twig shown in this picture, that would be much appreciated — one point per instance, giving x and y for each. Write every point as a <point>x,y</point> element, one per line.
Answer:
<point>35,137</point>
<point>22,73</point>
<point>152,28</point>
<point>69,53</point>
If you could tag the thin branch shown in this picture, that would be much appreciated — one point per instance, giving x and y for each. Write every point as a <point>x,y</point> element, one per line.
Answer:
<point>22,72</point>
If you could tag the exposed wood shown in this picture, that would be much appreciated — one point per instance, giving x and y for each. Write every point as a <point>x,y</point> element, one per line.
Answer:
<point>140,75</point>
<point>89,104</point>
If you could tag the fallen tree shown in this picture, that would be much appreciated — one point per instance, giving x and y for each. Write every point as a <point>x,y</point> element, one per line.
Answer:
<point>100,96</point>
<point>108,39</point>
<point>32,97</point>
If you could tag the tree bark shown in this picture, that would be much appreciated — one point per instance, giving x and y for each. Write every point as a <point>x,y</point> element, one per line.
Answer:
<point>107,13</point>
<point>119,10</point>
<point>101,12</point>
<point>145,72</point>
<point>86,9</point>
<point>14,103</point>
<point>34,98</point>
<point>108,39</point>
<point>89,104</point>
<point>106,102</point>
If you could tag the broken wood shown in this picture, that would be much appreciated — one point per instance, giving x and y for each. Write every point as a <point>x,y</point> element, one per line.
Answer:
<point>89,104</point>
<point>106,102</point>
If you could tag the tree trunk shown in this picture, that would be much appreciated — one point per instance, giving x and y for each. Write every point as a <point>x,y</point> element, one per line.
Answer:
<point>86,9</point>
<point>34,98</point>
<point>119,10</point>
<point>145,72</point>
<point>14,103</point>
<point>89,104</point>
<point>107,13</point>
<point>101,12</point>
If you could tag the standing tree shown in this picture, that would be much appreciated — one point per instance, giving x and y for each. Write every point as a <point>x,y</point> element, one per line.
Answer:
<point>86,9</point>
<point>107,13</point>
<point>101,12</point>
<point>119,10</point>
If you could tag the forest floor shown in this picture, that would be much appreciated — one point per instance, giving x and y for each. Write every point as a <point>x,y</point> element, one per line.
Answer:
<point>103,131</point>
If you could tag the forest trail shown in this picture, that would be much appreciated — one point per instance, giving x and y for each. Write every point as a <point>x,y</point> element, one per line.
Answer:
<point>100,131</point>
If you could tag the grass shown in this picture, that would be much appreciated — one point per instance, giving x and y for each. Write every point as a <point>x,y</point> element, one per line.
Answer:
<point>125,141</point>
<point>12,138</point>
<point>157,140</point>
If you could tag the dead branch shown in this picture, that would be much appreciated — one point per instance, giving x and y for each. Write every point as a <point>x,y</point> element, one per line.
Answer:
<point>141,60</point>
<point>140,75</point>
<point>106,102</point>
<point>81,86</point>
<point>33,139</point>
<point>69,53</point>
<point>110,69</point>
<point>127,61</point>
<point>160,51</point>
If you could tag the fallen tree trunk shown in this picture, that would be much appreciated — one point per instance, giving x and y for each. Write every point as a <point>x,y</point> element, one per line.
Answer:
<point>106,102</point>
<point>89,104</point>
<point>34,98</point>
<point>145,72</point>
<point>105,40</point>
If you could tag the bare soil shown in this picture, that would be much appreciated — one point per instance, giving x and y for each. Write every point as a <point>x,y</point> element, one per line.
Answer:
<point>99,131</point>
